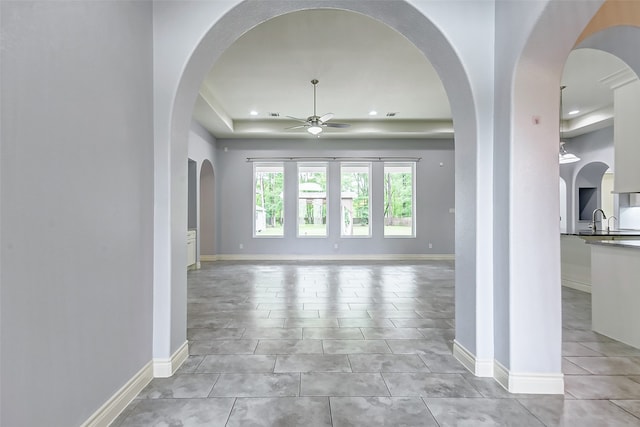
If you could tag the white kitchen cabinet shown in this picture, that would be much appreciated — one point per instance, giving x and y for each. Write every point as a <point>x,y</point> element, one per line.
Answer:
<point>615,290</point>
<point>626,127</point>
<point>575,258</point>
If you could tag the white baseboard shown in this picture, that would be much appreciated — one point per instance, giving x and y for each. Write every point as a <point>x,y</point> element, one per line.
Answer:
<point>121,399</point>
<point>528,383</point>
<point>331,257</point>
<point>478,367</point>
<point>164,368</point>
<point>501,374</point>
<point>206,258</point>
<point>580,286</point>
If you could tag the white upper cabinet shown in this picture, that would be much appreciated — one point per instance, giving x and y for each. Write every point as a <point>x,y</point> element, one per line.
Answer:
<point>626,131</point>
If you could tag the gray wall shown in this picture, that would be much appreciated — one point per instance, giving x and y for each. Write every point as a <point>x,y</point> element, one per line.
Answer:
<point>434,197</point>
<point>76,214</point>
<point>202,149</point>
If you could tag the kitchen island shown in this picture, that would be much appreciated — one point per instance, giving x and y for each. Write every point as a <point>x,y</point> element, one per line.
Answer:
<point>575,255</point>
<point>615,288</point>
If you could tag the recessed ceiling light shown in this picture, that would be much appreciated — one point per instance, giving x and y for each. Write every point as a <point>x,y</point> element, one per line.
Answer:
<point>373,113</point>
<point>573,112</point>
<point>253,112</point>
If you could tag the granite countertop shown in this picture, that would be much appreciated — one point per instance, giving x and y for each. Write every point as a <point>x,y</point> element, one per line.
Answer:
<point>623,232</point>
<point>634,244</point>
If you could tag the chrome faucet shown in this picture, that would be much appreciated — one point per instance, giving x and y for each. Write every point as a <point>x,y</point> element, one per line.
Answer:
<point>593,219</point>
<point>609,223</point>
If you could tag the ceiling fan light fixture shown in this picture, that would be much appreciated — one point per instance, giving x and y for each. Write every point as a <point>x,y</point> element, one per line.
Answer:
<point>315,123</point>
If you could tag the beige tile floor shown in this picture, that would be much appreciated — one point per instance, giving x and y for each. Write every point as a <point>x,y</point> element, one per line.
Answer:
<point>364,344</point>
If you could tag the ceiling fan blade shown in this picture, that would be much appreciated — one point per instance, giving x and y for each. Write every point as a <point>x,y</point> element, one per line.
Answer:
<point>313,122</point>
<point>326,117</point>
<point>297,119</point>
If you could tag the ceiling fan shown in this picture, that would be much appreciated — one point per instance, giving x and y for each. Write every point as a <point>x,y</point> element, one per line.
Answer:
<point>315,123</point>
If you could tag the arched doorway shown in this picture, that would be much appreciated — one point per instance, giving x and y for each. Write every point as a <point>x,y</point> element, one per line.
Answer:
<point>207,212</point>
<point>473,319</point>
<point>506,174</point>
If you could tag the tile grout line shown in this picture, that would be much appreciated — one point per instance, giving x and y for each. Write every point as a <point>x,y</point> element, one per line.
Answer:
<point>349,361</point>
<point>235,399</point>
<point>624,409</point>
<point>429,409</point>
<point>214,386</point>
<point>527,409</point>
<point>330,411</point>
<point>385,383</point>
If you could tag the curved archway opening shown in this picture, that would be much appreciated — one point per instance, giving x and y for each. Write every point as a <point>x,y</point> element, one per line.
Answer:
<point>616,32</point>
<point>532,92</point>
<point>432,42</point>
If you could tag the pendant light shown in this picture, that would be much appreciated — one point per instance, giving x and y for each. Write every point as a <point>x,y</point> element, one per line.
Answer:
<point>564,156</point>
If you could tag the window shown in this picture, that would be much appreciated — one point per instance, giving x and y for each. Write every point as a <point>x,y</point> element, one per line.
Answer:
<point>399,203</point>
<point>354,199</point>
<point>312,200</point>
<point>268,199</point>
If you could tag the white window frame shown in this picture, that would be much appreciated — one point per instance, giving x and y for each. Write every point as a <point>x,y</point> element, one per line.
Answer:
<point>300,166</point>
<point>256,166</point>
<point>412,164</point>
<point>370,226</point>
